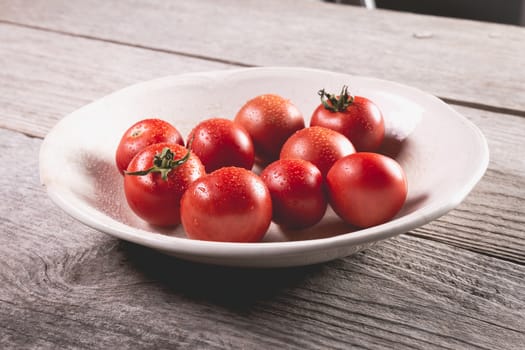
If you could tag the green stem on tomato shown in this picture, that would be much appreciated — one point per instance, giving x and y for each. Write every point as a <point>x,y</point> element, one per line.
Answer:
<point>163,163</point>
<point>335,103</point>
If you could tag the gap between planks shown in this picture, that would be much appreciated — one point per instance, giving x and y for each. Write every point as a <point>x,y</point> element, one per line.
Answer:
<point>122,43</point>
<point>452,101</point>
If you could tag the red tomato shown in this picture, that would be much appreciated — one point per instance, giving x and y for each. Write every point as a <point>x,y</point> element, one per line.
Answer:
<point>221,142</point>
<point>321,146</point>
<point>230,205</point>
<point>142,134</point>
<point>358,118</point>
<point>155,196</point>
<point>366,189</point>
<point>298,196</point>
<point>270,120</point>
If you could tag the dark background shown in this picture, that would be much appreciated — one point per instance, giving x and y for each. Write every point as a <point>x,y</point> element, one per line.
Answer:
<point>501,11</point>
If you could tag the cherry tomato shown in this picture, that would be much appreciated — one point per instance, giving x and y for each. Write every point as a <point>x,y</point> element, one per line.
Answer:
<point>356,117</point>
<point>298,196</point>
<point>142,134</point>
<point>270,120</point>
<point>366,189</point>
<point>321,146</point>
<point>230,205</point>
<point>156,179</point>
<point>221,142</point>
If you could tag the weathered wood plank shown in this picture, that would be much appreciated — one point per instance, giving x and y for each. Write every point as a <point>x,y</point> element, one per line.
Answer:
<point>471,62</point>
<point>33,102</point>
<point>45,76</point>
<point>65,285</point>
<point>492,219</point>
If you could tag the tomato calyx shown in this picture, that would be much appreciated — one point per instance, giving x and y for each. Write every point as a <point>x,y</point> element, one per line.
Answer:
<point>335,103</point>
<point>163,163</point>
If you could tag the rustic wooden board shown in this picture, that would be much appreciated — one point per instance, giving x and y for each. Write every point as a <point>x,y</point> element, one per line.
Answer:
<point>457,282</point>
<point>65,285</point>
<point>492,218</point>
<point>477,64</point>
<point>46,75</point>
<point>43,85</point>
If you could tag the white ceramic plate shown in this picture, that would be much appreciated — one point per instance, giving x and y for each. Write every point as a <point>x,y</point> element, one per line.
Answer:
<point>442,153</point>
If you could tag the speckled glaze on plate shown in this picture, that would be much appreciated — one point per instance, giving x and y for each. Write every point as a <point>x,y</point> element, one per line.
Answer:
<point>423,134</point>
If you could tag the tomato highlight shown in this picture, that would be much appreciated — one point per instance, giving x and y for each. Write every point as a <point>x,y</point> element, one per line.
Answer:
<point>156,179</point>
<point>229,205</point>
<point>356,117</point>
<point>366,189</point>
<point>210,189</point>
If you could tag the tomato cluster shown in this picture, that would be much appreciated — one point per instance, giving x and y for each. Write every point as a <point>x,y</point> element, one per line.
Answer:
<point>210,188</point>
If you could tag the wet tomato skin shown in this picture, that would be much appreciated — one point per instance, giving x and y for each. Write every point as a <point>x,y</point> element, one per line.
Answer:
<point>231,204</point>
<point>318,145</point>
<point>366,189</point>
<point>269,119</point>
<point>361,121</point>
<point>155,200</point>
<point>220,142</point>
<point>297,191</point>
<point>142,134</point>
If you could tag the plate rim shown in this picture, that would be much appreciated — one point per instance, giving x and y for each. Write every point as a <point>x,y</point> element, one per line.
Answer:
<point>183,246</point>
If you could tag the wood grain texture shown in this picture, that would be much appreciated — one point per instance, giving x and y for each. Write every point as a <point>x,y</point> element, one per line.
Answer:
<point>492,218</point>
<point>471,62</point>
<point>455,283</point>
<point>45,76</point>
<point>43,85</point>
<point>65,285</point>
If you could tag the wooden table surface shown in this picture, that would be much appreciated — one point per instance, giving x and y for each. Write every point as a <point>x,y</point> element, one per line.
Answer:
<point>457,282</point>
